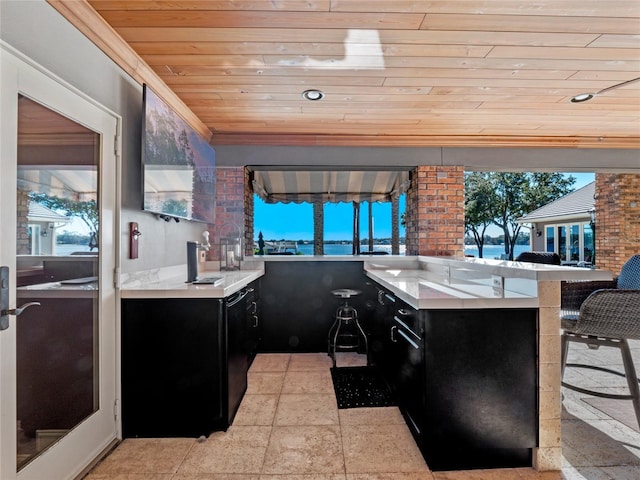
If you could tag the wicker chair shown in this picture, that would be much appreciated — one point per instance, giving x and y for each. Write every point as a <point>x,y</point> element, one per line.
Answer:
<point>549,258</point>
<point>604,313</point>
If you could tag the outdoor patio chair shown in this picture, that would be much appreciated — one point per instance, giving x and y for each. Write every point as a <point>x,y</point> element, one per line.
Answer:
<point>550,258</point>
<point>604,313</point>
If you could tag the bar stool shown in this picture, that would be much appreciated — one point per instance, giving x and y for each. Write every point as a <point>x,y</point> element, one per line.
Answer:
<point>346,332</point>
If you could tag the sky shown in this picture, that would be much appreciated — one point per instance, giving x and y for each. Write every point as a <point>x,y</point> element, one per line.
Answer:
<point>295,221</point>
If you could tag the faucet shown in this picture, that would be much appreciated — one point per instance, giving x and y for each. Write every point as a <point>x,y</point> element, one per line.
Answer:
<point>192,256</point>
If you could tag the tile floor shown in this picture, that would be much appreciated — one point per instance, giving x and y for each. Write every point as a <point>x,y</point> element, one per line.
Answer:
<point>288,427</point>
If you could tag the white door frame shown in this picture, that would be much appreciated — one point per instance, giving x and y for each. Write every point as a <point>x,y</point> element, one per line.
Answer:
<point>73,453</point>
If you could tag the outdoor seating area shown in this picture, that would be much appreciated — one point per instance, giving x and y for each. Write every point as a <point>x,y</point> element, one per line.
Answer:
<point>604,314</point>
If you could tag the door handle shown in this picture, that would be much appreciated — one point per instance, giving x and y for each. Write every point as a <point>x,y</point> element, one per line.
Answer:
<point>19,310</point>
<point>5,311</point>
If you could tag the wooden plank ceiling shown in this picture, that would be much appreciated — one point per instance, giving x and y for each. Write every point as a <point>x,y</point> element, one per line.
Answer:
<point>395,72</point>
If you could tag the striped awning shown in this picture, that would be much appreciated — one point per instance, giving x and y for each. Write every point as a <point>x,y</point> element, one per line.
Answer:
<point>332,186</point>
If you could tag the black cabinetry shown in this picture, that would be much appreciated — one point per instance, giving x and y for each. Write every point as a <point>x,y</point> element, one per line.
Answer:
<point>480,383</point>
<point>406,369</point>
<point>298,308</point>
<point>465,380</point>
<point>185,362</point>
<point>173,359</point>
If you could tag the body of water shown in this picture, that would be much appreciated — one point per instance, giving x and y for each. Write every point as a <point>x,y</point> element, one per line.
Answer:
<point>489,251</point>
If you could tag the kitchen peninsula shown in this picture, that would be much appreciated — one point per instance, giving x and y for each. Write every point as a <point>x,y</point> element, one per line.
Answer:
<point>484,349</point>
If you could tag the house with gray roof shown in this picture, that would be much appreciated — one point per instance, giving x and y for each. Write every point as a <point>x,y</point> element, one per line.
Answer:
<point>565,226</point>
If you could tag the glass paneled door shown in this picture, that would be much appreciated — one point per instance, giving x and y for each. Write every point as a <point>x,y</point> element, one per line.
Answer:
<point>58,198</point>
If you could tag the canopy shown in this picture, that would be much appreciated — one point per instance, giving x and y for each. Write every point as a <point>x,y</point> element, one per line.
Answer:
<point>303,185</point>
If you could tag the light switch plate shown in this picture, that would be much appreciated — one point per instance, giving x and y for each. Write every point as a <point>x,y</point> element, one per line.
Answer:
<point>497,281</point>
<point>202,256</point>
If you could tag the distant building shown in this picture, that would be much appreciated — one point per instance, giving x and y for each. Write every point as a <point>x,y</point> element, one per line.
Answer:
<point>42,225</point>
<point>565,226</point>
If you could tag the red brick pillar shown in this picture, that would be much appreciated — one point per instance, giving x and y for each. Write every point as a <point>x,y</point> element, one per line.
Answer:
<point>434,218</point>
<point>248,214</point>
<point>617,219</point>
<point>231,203</point>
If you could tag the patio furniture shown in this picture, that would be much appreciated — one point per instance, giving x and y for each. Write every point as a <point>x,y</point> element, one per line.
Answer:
<point>550,258</point>
<point>346,332</point>
<point>607,314</point>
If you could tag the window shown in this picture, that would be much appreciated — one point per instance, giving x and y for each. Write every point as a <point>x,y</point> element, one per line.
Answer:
<point>573,242</point>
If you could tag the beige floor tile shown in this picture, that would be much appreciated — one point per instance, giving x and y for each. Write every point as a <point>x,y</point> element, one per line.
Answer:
<point>257,409</point>
<point>238,450</point>
<point>313,476</point>
<point>371,416</point>
<point>217,476</point>
<point>308,382</point>
<point>307,409</point>
<point>310,362</point>
<point>265,382</point>
<point>391,476</point>
<point>130,476</point>
<point>380,449</point>
<point>494,474</point>
<point>272,362</point>
<point>145,456</point>
<point>307,449</point>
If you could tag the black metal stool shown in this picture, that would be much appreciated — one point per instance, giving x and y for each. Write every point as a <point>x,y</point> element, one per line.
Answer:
<point>346,332</point>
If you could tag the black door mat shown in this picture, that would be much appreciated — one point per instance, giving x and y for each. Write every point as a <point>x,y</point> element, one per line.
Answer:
<point>359,387</point>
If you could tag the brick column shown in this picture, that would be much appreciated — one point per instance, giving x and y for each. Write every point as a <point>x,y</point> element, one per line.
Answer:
<point>617,219</point>
<point>231,203</point>
<point>318,228</point>
<point>435,211</point>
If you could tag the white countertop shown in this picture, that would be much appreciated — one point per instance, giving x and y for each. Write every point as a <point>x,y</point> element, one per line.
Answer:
<point>457,283</point>
<point>176,287</point>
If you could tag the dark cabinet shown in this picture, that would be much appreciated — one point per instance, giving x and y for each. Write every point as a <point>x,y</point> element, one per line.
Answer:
<point>397,351</point>
<point>185,363</point>
<point>298,308</point>
<point>481,388</point>
<point>253,320</point>
<point>173,354</point>
<point>406,370</point>
<point>464,380</point>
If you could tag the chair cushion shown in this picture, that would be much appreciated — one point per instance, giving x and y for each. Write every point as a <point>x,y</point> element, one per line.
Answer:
<point>550,258</point>
<point>569,321</point>
<point>629,277</point>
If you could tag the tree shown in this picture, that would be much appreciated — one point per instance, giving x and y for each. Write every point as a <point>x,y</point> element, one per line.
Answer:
<point>517,194</point>
<point>87,211</point>
<point>479,195</point>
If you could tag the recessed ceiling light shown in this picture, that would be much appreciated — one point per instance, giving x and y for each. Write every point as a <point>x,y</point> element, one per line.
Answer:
<point>583,97</point>
<point>312,95</point>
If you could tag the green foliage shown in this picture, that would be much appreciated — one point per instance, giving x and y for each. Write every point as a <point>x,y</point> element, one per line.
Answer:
<point>86,211</point>
<point>501,198</point>
<point>161,145</point>
<point>175,207</point>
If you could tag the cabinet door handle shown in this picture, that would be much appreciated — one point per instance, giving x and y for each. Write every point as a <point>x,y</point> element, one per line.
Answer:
<point>255,321</point>
<point>403,312</point>
<point>254,308</point>
<point>408,340</point>
<point>394,329</point>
